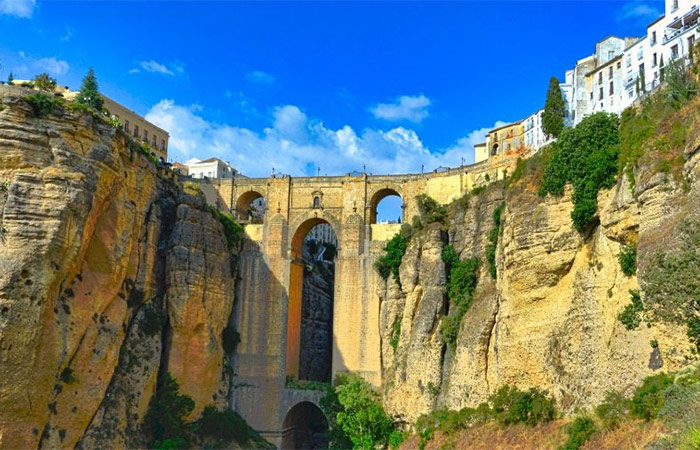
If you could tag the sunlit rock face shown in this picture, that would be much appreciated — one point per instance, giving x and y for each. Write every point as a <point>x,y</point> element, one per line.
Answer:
<point>108,276</point>
<point>550,319</point>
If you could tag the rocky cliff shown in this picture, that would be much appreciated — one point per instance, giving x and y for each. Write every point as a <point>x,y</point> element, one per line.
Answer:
<point>109,276</point>
<point>550,317</point>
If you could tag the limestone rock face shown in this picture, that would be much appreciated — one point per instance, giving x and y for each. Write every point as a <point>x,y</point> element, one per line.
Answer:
<point>95,246</point>
<point>549,320</point>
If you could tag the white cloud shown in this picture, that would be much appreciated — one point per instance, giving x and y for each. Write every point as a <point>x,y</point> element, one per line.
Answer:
<point>258,76</point>
<point>407,107</point>
<point>156,67</point>
<point>52,65</point>
<point>294,144</point>
<point>637,11</point>
<point>19,8</point>
<point>68,35</point>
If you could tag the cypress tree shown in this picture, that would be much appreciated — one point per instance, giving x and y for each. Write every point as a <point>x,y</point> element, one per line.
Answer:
<point>554,108</point>
<point>11,78</point>
<point>89,94</point>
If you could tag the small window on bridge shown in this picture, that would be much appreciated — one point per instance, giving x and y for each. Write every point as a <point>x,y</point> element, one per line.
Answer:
<point>317,202</point>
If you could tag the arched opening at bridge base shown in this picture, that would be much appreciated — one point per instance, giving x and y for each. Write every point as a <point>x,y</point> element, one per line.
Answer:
<point>386,206</point>
<point>305,427</point>
<point>250,207</point>
<point>310,309</point>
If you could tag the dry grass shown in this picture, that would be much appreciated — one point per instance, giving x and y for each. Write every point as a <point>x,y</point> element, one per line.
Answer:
<point>490,436</point>
<point>630,435</point>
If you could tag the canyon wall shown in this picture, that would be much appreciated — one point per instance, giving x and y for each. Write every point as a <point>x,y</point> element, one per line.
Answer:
<point>109,276</point>
<point>550,318</point>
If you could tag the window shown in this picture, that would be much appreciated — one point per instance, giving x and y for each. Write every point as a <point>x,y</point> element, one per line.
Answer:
<point>136,131</point>
<point>674,51</point>
<point>629,61</point>
<point>317,202</point>
<point>611,54</point>
<point>611,91</point>
<point>675,5</point>
<point>600,77</point>
<point>610,72</point>
<point>640,54</point>
<point>591,95</point>
<point>600,93</point>
<point>630,94</point>
<point>153,141</point>
<point>162,144</point>
<point>145,136</point>
<point>126,126</point>
<point>619,64</point>
<point>654,61</point>
<point>653,37</point>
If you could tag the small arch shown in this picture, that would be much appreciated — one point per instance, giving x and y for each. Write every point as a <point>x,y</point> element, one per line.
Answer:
<point>494,150</point>
<point>389,209</point>
<point>251,207</point>
<point>305,427</point>
<point>317,202</point>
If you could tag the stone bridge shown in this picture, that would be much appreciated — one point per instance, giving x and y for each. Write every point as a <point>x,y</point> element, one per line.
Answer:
<point>267,310</point>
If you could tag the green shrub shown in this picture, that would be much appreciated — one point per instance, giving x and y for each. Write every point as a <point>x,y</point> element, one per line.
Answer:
<point>232,229</point>
<point>671,282</point>
<point>648,398</point>
<point>493,240</point>
<point>165,419</point>
<point>632,315</point>
<point>628,259</point>
<point>613,410</point>
<point>579,431</point>
<point>390,262</point>
<point>510,405</point>
<point>396,333</point>
<point>67,376</point>
<point>306,385</point>
<point>45,82</point>
<point>153,319</point>
<point>356,415</point>
<point>43,103</point>
<point>430,211</point>
<point>461,284</point>
<point>224,427</point>
<point>230,338</point>
<point>585,156</point>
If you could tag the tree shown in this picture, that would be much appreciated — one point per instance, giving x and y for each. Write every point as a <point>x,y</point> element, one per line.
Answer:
<point>11,78</point>
<point>45,82</point>
<point>89,94</point>
<point>554,109</point>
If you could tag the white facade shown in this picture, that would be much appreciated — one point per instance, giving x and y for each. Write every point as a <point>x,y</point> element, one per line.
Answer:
<point>534,137</point>
<point>624,69</point>
<point>209,168</point>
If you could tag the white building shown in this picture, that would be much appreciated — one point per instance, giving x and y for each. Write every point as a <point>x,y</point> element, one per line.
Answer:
<point>624,69</point>
<point>535,138</point>
<point>209,168</point>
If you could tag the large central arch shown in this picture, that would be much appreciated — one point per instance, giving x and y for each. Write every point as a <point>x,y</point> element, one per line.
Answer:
<point>296,297</point>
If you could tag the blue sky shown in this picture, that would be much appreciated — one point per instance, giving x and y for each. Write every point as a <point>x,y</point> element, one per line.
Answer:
<point>295,86</point>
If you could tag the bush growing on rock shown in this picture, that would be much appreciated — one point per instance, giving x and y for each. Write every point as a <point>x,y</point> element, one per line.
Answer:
<point>510,405</point>
<point>628,259</point>
<point>356,415</point>
<point>613,410</point>
<point>579,431</point>
<point>648,398</point>
<point>462,276</point>
<point>389,263</point>
<point>586,157</point>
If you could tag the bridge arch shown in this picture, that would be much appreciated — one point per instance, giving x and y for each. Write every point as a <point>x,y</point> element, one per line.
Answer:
<point>305,426</point>
<point>377,197</point>
<point>251,207</point>
<point>322,369</point>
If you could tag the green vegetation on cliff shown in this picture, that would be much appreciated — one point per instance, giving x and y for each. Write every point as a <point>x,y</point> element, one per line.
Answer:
<point>462,276</point>
<point>166,427</point>
<point>586,157</point>
<point>390,262</point>
<point>357,418</point>
<point>493,240</point>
